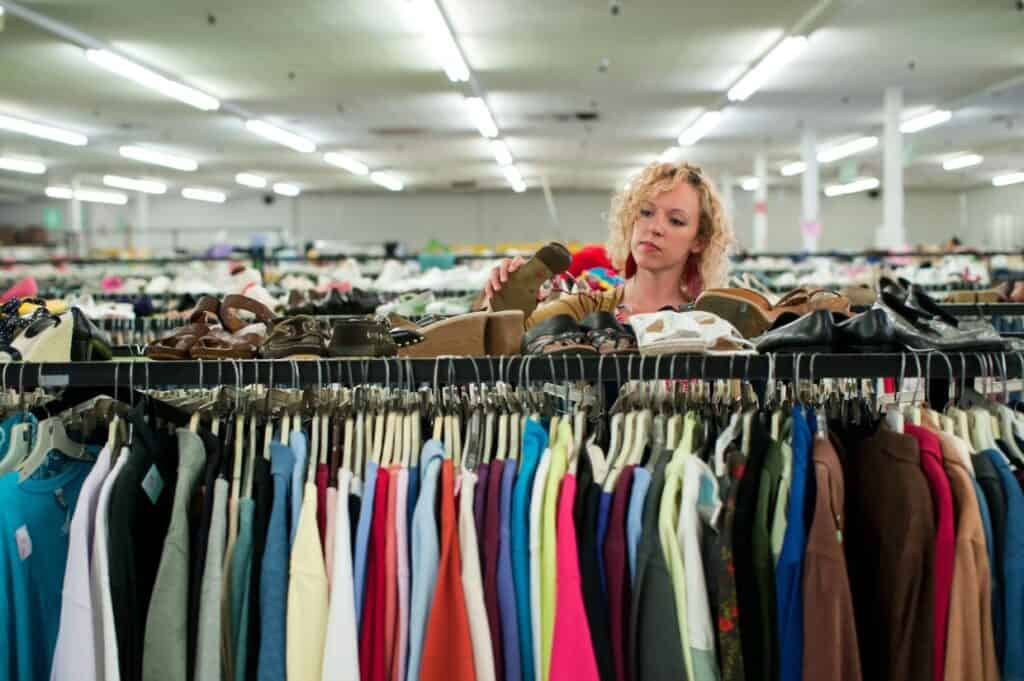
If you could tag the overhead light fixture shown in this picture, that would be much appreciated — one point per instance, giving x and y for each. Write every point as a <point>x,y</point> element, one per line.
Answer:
<point>45,132</point>
<point>18,165</point>
<point>387,180</point>
<point>208,195</point>
<point>962,161</point>
<point>158,158</point>
<point>1008,179</point>
<point>794,168</point>
<point>250,180</point>
<point>501,153</point>
<point>350,164</point>
<point>154,81</point>
<point>427,15</point>
<point>285,189</point>
<point>276,134</point>
<point>928,120</point>
<point>780,55</point>
<point>515,178</point>
<point>144,186</point>
<point>699,128</point>
<point>482,118</point>
<point>87,195</point>
<point>862,184</point>
<point>840,151</point>
<point>750,184</point>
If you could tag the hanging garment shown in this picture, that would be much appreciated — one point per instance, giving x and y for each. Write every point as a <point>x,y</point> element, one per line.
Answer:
<point>970,642</point>
<point>789,571</point>
<point>506,586</point>
<point>240,583</point>
<point>363,537</point>
<point>391,575</point>
<point>604,511</point>
<point>768,500</point>
<point>297,443</point>
<point>412,496</point>
<point>572,657</point>
<point>447,645</point>
<point>165,649</point>
<point>700,504</point>
<point>727,631</point>
<point>490,552</point>
<point>140,512</point>
<point>891,564</point>
<point>425,554</point>
<point>216,465</point>
<point>402,551</point>
<point>549,547</point>
<point>657,652</point>
<point>995,501</point>
<point>104,631</point>
<point>72,659</point>
<point>341,645</point>
<point>35,519</point>
<point>668,521</point>
<point>620,593</point>
<point>1012,571</point>
<point>780,520</point>
<point>634,515</point>
<point>472,581</point>
<point>321,504</point>
<point>945,540</point>
<point>830,629</point>
<point>208,650</point>
<point>534,442</point>
<point>480,507</point>
<point>329,531</point>
<point>536,514</point>
<point>271,662</point>
<point>307,596</point>
<point>372,652</point>
<point>263,498</point>
<point>585,510</point>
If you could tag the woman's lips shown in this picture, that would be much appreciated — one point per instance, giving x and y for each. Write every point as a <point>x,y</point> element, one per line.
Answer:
<point>647,246</point>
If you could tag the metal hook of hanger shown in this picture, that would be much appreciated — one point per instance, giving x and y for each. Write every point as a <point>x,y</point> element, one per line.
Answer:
<point>952,378</point>
<point>437,386</point>
<point>565,367</point>
<point>796,378</point>
<point>1001,361</point>
<point>918,376</point>
<point>476,369</point>
<point>583,371</point>
<point>618,371</point>
<point>554,371</point>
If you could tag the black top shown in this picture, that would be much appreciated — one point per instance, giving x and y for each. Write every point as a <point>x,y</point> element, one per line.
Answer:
<point>141,502</point>
<point>585,512</point>
<point>263,500</point>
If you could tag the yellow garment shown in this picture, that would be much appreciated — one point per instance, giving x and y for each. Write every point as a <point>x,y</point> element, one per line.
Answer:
<point>668,515</point>
<point>53,306</point>
<point>548,543</point>
<point>307,597</point>
<point>577,306</point>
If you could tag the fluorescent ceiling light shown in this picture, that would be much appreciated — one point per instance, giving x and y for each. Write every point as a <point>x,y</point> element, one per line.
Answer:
<point>481,116</point>
<point>208,195</point>
<point>750,184</point>
<point>928,120</point>
<point>87,195</point>
<point>285,189</point>
<point>1009,178</point>
<point>250,180</point>
<point>154,81</point>
<point>501,153</point>
<point>388,181</point>
<point>962,161</point>
<point>773,61</point>
<point>514,177</point>
<point>427,15</point>
<point>18,165</point>
<point>45,132</point>
<point>159,158</point>
<point>847,149</point>
<point>699,128</point>
<point>346,163</point>
<point>276,134</point>
<point>145,186</point>
<point>671,155</point>
<point>862,184</point>
<point>794,168</point>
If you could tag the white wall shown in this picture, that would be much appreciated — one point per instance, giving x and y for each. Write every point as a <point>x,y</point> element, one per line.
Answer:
<point>491,217</point>
<point>997,215</point>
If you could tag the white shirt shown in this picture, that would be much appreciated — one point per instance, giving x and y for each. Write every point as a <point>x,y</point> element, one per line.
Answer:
<point>105,636</point>
<point>472,582</point>
<point>341,645</point>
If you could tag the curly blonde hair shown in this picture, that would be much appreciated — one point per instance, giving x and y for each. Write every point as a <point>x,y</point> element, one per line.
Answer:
<point>714,231</point>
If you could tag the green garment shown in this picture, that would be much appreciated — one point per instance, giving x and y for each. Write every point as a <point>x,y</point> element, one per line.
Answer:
<point>241,575</point>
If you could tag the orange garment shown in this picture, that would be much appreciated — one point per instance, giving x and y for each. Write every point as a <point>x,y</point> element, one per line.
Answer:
<point>447,647</point>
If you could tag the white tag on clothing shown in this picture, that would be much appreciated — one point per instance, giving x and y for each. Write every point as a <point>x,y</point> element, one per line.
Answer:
<point>24,542</point>
<point>153,484</point>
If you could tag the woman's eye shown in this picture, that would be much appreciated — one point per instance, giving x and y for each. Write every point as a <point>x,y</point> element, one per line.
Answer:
<point>678,223</point>
<point>646,212</point>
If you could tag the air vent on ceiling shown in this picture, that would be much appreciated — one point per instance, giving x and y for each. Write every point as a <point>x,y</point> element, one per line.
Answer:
<point>464,185</point>
<point>398,132</point>
<point>580,116</point>
<point>587,116</point>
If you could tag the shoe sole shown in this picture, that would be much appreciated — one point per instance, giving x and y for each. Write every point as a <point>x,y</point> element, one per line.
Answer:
<point>504,333</point>
<point>748,319</point>
<point>520,291</point>
<point>463,335</point>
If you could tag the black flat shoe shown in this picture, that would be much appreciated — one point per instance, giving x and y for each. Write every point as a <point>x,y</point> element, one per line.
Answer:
<point>919,333</point>
<point>870,331</point>
<point>89,343</point>
<point>814,332</point>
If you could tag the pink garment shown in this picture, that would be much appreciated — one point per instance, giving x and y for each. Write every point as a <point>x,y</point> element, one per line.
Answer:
<point>112,283</point>
<point>391,578</point>
<point>332,504</point>
<point>401,538</point>
<point>24,288</point>
<point>572,656</point>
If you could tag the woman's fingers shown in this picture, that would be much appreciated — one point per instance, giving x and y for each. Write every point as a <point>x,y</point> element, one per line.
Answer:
<point>499,275</point>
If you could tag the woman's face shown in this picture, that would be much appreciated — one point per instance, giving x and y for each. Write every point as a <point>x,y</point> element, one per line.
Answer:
<point>665,233</point>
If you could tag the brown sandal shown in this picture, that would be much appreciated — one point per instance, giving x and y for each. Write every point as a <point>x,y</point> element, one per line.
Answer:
<point>295,338</point>
<point>178,345</point>
<point>237,339</point>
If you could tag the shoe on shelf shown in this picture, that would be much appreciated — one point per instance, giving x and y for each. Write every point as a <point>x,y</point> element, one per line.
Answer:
<point>237,338</point>
<point>868,332</point>
<point>178,344</point>
<point>362,336</point>
<point>295,338</point>
<point>463,335</point>
<point>814,332</point>
<point>557,335</point>
<point>523,285</point>
<point>58,338</point>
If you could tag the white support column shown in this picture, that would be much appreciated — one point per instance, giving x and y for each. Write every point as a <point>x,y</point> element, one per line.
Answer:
<point>810,227</point>
<point>84,243</point>
<point>893,234</point>
<point>760,204</point>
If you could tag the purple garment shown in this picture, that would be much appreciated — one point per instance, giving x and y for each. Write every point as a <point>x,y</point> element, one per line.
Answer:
<point>479,506</point>
<point>604,510</point>
<point>506,583</point>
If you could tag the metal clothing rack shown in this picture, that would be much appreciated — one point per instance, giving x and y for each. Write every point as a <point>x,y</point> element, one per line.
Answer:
<point>515,369</point>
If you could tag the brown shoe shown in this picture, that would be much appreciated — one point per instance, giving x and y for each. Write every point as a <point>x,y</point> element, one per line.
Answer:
<point>504,333</point>
<point>462,335</point>
<point>178,345</point>
<point>295,338</point>
<point>237,339</point>
<point>520,291</point>
<point>360,336</point>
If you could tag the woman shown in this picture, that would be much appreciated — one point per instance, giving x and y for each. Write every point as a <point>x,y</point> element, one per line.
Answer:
<point>668,234</point>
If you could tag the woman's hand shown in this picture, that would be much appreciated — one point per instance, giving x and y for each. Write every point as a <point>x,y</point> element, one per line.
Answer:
<point>499,275</point>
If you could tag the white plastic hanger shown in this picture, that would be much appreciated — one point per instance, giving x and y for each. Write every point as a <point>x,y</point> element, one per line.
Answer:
<point>50,435</point>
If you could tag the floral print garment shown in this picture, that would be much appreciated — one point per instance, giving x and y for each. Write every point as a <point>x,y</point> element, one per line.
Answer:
<point>727,623</point>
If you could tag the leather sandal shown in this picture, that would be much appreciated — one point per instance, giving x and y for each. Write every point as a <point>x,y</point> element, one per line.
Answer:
<point>295,338</point>
<point>607,335</point>
<point>236,339</point>
<point>560,334</point>
<point>178,345</point>
<point>748,311</point>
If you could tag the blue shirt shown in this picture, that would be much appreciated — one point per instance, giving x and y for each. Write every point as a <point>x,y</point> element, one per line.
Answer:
<point>986,522</point>
<point>35,522</point>
<point>604,510</point>
<point>412,494</point>
<point>274,569</point>
<point>1012,663</point>
<point>635,515</point>
<point>363,537</point>
<point>297,441</point>
<point>789,571</point>
<point>506,584</point>
<point>425,555</point>
<point>535,441</point>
